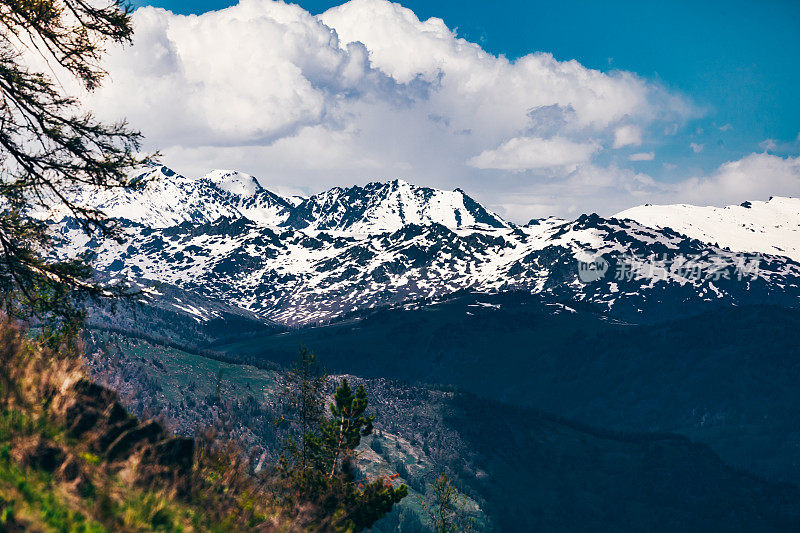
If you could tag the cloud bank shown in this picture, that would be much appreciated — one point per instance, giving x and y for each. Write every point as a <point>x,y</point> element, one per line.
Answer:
<point>368,91</point>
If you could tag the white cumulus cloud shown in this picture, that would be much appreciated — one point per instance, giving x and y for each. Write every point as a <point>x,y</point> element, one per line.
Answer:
<point>525,153</point>
<point>608,190</point>
<point>628,135</point>
<point>754,177</point>
<point>368,91</point>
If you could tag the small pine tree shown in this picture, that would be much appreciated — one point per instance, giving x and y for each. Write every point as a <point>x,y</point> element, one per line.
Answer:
<point>341,434</point>
<point>445,507</point>
<point>321,470</point>
<point>360,504</point>
<point>303,393</point>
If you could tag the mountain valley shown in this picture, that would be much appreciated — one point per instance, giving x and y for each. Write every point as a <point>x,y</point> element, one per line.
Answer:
<point>678,349</point>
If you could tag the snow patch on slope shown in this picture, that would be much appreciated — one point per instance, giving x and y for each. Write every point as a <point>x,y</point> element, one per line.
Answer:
<point>771,227</point>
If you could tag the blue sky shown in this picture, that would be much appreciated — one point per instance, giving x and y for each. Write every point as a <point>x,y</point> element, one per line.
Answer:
<point>734,61</point>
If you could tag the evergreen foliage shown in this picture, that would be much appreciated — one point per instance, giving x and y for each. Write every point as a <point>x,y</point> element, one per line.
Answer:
<point>342,432</point>
<point>320,470</point>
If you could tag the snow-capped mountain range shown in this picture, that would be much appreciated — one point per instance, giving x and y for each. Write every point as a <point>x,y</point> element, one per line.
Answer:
<point>164,198</point>
<point>299,261</point>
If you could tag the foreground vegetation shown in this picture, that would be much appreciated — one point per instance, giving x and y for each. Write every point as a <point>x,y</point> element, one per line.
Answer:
<point>73,459</point>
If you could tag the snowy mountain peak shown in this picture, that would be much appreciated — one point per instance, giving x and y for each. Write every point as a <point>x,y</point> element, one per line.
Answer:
<point>152,174</point>
<point>294,278</point>
<point>234,182</point>
<point>771,227</point>
<point>166,198</point>
<point>388,206</point>
<point>160,198</point>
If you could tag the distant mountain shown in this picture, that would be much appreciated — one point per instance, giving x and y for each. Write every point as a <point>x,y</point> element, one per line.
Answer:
<point>727,377</point>
<point>771,227</point>
<point>165,198</point>
<point>290,277</point>
<point>380,207</point>
<point>224,237</point>
<point>249,198</point>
